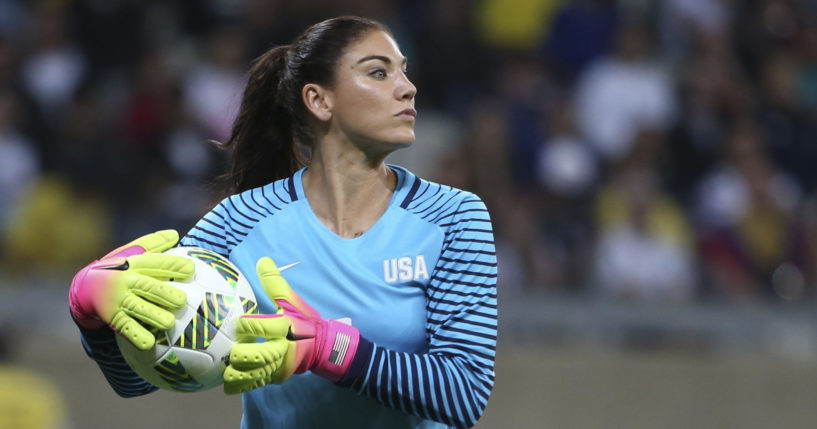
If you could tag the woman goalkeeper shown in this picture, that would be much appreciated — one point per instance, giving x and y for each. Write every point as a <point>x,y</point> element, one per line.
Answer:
<point>412,263</point>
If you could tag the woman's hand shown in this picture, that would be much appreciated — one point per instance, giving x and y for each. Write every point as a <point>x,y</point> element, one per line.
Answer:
<point>296,339</point>
<point>127,288</point>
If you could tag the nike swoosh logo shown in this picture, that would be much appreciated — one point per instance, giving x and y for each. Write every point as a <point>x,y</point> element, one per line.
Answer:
<point>288,266</point>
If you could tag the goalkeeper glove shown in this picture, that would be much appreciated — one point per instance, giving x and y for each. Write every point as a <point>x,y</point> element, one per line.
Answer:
<point>127,287</point>
<point>297,339</point>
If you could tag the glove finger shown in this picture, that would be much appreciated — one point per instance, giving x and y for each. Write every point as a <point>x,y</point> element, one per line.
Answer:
<point>133,331</point>
<point>267,326</point>
<point>288,365</point>
<point>236,381</point>
<point>158,241</point>
<point>266,356</point>
<point>147,312</point>
<point>161,266</point>
<point>156,291</point>
<point>279,290</point>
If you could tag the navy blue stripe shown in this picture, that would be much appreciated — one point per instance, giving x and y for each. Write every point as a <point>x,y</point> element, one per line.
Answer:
<point>458,350</point>
<point>446,387</point>
<point>264,194</point>
<point>466,321</point>
<point>481,209</point>
<point>230,217</point>
<point>236,209</point>
<point>439,394</point>
<point>456,282</point>
<point>228,233</point>
<point>468,240</point>
<point>416,208</point>
<point>434,311</point>
<point>198,228</point>
<point>411,192</point>
<point>444,213</point>
<point>441,207</point>
<point>417,399</point>
<point>471,311</point>
<point>417,198</point>
<point>213,244</point>
<point>465,294</point>
<point>470,251</point>
<point>258,203</point>
<point>456,222</point>
<point>467,272</point>
<point>433,300</point>
<point>468,261</point>
<point>463,340</point>
<point>391,375</point>
<point>241,197</point>
<point>429,204</point>
<point>291,188</point>
<point>278,196</point>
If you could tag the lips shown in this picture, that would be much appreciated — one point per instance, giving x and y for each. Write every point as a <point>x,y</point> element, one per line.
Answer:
<point>407,113</point>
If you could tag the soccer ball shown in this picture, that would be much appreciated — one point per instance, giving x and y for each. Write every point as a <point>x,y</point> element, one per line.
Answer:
<point>191,355</point>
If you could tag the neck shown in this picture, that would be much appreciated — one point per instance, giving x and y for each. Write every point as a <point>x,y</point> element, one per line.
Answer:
<point>347,190</point>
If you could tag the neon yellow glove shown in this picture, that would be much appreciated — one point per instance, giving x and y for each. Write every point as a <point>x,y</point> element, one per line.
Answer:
<point>296,339</point>
<point>127,286</point>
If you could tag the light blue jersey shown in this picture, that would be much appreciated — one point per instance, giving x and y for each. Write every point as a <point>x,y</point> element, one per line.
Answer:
<point>420,285</point>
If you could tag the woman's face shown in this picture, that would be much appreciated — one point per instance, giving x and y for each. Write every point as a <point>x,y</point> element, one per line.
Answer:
<point>373,99</point>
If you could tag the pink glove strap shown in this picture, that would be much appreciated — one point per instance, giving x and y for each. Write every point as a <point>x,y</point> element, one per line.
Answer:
<point>338,350</point>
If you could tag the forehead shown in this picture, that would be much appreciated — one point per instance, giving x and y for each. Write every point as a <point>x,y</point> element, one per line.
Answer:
<point>374,42</point>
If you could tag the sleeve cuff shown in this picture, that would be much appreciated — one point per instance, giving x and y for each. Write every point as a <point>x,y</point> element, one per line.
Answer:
<point>360,364</point>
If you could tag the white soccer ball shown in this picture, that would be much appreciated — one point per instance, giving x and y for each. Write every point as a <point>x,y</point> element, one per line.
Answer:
<point>191,356</point>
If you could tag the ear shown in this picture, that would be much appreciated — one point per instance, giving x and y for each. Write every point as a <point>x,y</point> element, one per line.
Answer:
<point>318,100</point>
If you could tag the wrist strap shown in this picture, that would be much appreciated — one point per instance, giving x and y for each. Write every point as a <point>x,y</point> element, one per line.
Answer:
<point>336,355</point>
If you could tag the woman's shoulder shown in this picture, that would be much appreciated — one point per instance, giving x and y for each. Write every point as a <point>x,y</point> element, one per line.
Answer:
<point>435,201</point>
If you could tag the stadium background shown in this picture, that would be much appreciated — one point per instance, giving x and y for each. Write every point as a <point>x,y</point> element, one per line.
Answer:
<point>649,166</point>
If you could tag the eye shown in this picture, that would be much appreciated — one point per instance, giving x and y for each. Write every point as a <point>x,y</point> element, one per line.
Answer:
<point>378,73</point>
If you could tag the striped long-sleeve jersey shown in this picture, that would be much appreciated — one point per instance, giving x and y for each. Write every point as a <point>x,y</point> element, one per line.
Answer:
<point>420,285</point>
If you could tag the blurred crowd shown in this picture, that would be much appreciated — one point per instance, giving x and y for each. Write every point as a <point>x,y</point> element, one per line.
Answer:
<point>645,150</point>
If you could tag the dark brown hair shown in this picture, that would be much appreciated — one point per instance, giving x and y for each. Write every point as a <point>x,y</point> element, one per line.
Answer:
<point>273,121</point>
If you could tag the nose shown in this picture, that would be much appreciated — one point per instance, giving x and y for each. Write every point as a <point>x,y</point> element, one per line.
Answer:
<point>405,90</point>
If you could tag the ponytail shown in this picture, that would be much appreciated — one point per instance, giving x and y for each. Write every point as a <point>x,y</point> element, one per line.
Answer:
<point>263,140</point>
<point>273,125</point>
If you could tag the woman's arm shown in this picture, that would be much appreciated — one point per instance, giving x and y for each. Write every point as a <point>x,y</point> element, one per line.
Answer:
<point>100,345</point>
<point>452,382</point>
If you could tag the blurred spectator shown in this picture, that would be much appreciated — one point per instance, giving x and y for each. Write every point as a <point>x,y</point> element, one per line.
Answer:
<point>790,130</point>
<point>213,88</point>
<point>55,67</point>
<point>582,32</point>
<point>29,399</point>
<point>682,22</point>
<point>746,218</point>
<point>454,69</point>
<point>567,166</point>
<point>517,25</point>
<point>568,173</point>
<point>713,90</point>
<point>86,155</point>
<point>19,160</point>
<point>527,91</point>
<point>109,33</point>
<point>12,19</point>
<point>644,248</point>
<point>624,93</point>
<point>57,229</point>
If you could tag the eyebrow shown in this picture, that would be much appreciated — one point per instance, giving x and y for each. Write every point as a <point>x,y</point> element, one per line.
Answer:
<point>383,58</point>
